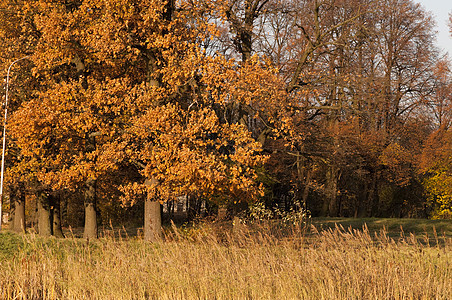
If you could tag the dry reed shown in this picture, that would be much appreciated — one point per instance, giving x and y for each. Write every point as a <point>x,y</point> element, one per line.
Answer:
<point>242,264</point>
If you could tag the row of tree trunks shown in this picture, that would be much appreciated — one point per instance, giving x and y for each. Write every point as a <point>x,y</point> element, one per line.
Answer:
<point>49,214</point>
<point>152,213</point>
<point>48,210</point>
<point>367,204</point>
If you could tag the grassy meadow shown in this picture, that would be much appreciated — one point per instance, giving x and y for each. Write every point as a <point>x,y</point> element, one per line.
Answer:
<point>216,261</point>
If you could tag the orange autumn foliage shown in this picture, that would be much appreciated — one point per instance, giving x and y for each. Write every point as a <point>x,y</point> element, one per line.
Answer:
<point>125,83</point>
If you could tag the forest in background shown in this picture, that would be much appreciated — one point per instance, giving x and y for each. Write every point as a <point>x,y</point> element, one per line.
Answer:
<point>336,107</point>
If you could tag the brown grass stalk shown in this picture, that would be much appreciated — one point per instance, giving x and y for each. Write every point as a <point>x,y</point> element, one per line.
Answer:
<point>245,263</point>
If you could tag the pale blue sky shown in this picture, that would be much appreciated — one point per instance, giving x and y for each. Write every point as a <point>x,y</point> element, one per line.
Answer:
<point>440,10</point>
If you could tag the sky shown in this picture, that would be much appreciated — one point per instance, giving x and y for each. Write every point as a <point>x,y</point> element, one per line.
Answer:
<point>440,10</point>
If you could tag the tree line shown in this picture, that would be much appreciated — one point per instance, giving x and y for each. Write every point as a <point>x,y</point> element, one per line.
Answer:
<point>340,108</point>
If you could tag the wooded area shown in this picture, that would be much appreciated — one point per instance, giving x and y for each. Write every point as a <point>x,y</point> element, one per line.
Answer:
<point>339,108</point>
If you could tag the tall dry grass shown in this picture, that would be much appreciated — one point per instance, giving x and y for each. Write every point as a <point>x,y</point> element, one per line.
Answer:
<point>206,263</point>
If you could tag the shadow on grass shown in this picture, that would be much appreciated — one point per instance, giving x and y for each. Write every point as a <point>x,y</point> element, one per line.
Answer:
<point>393,226</point>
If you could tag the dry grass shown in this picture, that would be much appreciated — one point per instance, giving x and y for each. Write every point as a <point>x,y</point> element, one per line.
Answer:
<point>205,263</point>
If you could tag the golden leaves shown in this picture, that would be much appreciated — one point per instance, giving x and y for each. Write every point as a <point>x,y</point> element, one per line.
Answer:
<point>126,85</point>
<point>191,152</point>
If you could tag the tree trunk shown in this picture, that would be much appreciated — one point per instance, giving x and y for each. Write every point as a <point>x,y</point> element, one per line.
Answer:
<point>329,207</point>
<point>306,190</point>
<point>56,216</point>
<point>222,213</point>
<point>19,209</point>
<point>19,214</point>
<point>152,216</point>
<point>63,208</point>
<point>374,202</point>
<point>370,196</point>
<point>152,220</point>
<point>302,169</point>
<point>333,207</point>
<point>44,216</point>
<point>90,210</point>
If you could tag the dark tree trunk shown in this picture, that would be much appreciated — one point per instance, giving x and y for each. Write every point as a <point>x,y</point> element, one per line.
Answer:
<point>243,26</point>
<point>375,200</point>
<point>222,213</point>
<point>370,196</point>
<point>361,205</point>
<point>90,210</point>
<point>56,216</point>
<point>304,173</point>
<point>44,215</point>
<point>306,189</point>
<point>329,207</point>
<point>63,208</point>
<point>333,207</point>
<point>194,208</point>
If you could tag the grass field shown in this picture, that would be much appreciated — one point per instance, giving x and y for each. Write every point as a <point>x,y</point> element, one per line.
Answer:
<point>393,226</point>
<point>209,262</point>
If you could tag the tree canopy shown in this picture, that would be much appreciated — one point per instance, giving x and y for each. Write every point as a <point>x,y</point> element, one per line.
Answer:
<point>335,104</point>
